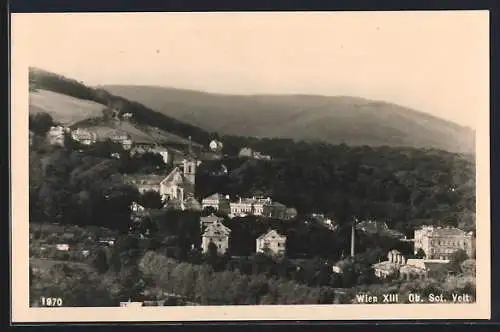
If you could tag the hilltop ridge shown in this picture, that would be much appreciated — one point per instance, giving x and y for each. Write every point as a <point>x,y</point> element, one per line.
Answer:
<point>331,119</point>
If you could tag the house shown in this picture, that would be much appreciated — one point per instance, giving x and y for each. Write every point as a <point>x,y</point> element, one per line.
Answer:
<point>208,220</point>
<point>274,210</point>
<point>248,206</point>
<point>56,135</point>
<point>138,212</point>
<point>290,213</point>
<point>390,267</point>
<point>272,243</point>
<point>62,247</point>
<point>123,139</point>
<point>218,234</point>
<point>109,241</point>
<point>218,202</point>
<point>246,152</point>
<point>84,136</point>
<point>258,155</point>
<point>215,146</point>
<point>441,242</point>
<point>408,269</point>
<point>135,207</point>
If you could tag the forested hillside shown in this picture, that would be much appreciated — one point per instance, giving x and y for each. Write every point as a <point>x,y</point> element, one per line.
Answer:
<point>331,119</point>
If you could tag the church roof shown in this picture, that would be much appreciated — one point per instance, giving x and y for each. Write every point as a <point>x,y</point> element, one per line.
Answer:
<point>136,179</point>
<point>176,176</point>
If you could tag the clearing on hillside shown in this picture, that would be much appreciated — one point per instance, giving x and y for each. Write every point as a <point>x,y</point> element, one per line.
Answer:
<point>64,109</point>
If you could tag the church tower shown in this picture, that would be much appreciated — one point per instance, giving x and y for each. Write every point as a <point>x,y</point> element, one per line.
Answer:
<point>190,164</point>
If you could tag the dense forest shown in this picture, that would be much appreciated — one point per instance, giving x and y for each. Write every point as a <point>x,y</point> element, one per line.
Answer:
<point>405,187</point>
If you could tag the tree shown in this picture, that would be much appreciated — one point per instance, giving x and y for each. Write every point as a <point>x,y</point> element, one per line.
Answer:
<point>132,282</point>
<point>212,253</point>
<point>151,200</point>
<point>99,260</point>
<point>40,123</point>
<point>420,253</point>
<point>456,260</point>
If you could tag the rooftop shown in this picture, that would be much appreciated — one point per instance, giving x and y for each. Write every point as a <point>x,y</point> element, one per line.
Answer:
<point>271,234</point>
<point>443,231</point>
<point>151,179</point>
<point>216,229</point>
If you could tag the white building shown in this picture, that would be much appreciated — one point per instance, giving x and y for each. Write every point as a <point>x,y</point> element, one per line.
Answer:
<point>56,135</point>
<point>441,242</point>
<point>218,202</point>
<point>271,242</point>
<point>218,234</point>
<point>248,206</point>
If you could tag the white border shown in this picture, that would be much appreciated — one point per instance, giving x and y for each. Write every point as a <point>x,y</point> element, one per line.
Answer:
<point>21,312</point>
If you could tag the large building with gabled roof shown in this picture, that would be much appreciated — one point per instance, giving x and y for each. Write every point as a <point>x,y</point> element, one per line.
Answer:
<point>218,234</point>
<point>272,243</point>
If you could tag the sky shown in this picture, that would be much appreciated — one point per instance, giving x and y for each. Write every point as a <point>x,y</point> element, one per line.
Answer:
<point>435,62</point>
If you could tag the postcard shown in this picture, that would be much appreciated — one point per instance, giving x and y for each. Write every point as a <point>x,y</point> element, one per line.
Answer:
<point>215,166</point>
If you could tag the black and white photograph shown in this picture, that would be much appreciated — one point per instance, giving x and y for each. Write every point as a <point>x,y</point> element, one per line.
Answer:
<point>250,165</point>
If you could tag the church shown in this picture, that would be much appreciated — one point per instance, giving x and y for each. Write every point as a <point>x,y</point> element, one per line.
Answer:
<point>180,183</point>
<point>177,188</point>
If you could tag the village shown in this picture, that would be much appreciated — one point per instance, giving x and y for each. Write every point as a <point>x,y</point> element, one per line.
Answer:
<point>433,246</point>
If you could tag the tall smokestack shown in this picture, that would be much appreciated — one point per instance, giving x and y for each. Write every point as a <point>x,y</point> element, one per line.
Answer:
<point>190,149</point>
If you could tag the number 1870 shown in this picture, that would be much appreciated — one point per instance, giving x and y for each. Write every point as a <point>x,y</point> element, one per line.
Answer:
<point>51,301</point>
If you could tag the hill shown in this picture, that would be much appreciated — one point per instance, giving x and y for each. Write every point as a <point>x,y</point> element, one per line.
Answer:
<point>63,108</point>
<point>350,120</point>
<point>72,103</point>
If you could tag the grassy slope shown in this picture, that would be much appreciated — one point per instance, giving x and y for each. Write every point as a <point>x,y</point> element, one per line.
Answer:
<point>65,109</point>
<point>351,120</point>
<point>72,111</point>
<point>70,101</point>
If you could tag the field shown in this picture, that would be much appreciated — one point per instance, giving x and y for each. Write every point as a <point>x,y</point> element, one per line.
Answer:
<point>63,108</point>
